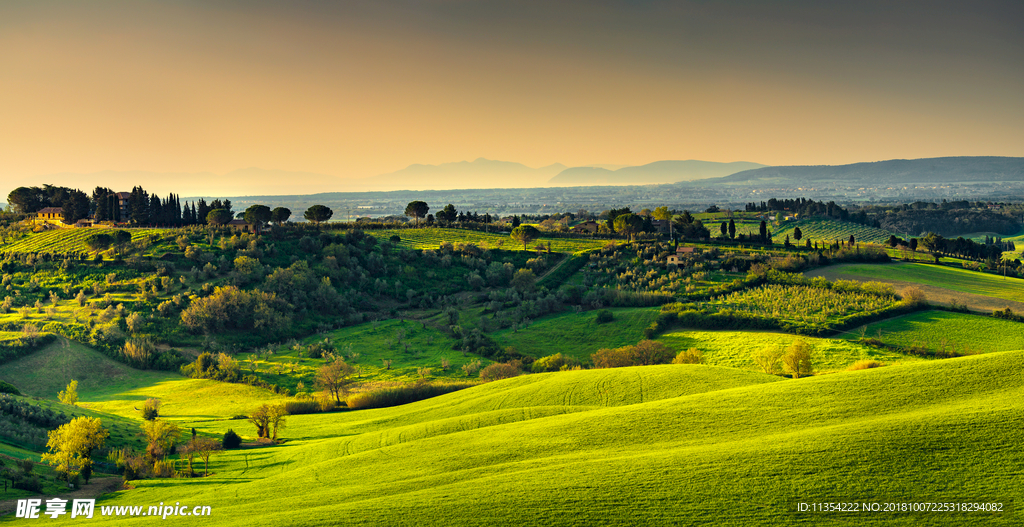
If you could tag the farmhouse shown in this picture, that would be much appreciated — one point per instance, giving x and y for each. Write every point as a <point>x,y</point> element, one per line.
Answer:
<point>681,253</point>
<point>50,213</point>
<point>586,227</point>
<point>240,225</point>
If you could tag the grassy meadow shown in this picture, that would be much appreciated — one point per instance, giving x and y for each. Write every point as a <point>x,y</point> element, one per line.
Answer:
<point>431,238</point>
<point>735,348</point>
<point>578,335</point>
<point>673,444</point>
<point>942,330</point>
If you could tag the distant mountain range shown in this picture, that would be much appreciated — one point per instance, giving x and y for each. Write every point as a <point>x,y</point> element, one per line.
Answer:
<point>480,173</point>
<point>892,172</point>
<point>651,173</point>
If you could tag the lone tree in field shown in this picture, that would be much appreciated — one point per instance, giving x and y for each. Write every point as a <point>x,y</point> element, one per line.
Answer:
<point>334,379</point>
<point>768,359</point>
<point>71,446</point>
<point>280,215</point>
<point>219,217</point>
<point>797,359</point>
<point>797,233</point>
<point>732,229</point>
<point>417,210</point>
<point>268,419</point>
<point>318,214</point>
<point>160,437</point>
<point>99,241</point>
<point>257,215</point>
<point>206,447</point>
<point>70,394</point>
<point>525,234</point>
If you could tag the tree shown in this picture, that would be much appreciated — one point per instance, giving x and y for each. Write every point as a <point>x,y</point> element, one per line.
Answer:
<point>318,214</point>
<point>797,360</point>
<point>724,229</point>
<point>257,215</point>
<point>628,224</point>
<point>768,359</point>
<point>893,241</point>
<point>647,352</point>
<point>852,240</point>
<point>219,217</point>
<point>160,437</point>
<point>70,394</point>
<point>797,233</point>
<point>151,409</point>
<point>524,281</point>
<point>206,447</point>
<point>260,418</point>
<point>732,229</point>
<point>333,378</point>
<point>71,446</point>
<point>448,214</point>
<point>525,234</point>
<point>277,419</point>
<point>515,221</point>
<point>188,453</point>
<point>280,215</point>
<point>417,210</point>
<point>764,232</point>
<point>75,206</point>
<point>662,213</point>
<point>99,241</point>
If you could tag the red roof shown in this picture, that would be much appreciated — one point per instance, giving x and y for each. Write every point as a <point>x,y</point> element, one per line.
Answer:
<point>124,195</point>
<point>51,210</point>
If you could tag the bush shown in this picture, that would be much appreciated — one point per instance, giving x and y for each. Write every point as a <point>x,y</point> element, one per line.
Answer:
<point>500,371</point>
<point>864,364</point>
<point>690,356</point>
<point>556,362</point>
<point>302,407</point>
<point>797,360</point>
<point>231,440</point>
<point>6,387</point>
<point>386,397</point>
<point>604,317</point>
<point>644,353</point>
<point>768,359</point>
<point>912,296</point>
<point>151,409</point>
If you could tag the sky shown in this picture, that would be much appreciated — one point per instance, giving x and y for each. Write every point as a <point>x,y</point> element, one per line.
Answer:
<point>354,89</point>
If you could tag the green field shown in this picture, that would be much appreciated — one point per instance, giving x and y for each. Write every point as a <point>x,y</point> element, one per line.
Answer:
<point>65,240</point>
<point>653,445</point>
<point>942,330</point>
<point>950,278</point>
<point>432,237</point>
<point>734,348</point>
<point>578,335</point>
<point>829,231</point>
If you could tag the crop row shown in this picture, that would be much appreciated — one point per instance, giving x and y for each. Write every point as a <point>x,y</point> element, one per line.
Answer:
<point>802,304</point>
<point>431,238</point>
<point>830,230</point>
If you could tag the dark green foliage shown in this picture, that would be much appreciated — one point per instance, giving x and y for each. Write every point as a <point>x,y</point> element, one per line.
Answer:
<point>604,316</point>
<point>27,424</point>
<point>6,387</point>
<point>231,440</point>
<point>318,214</point>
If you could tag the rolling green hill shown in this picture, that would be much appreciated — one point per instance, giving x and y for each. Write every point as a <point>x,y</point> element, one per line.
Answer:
<point>578,335</point>
<point>937,330</point>
<point>689,445</point>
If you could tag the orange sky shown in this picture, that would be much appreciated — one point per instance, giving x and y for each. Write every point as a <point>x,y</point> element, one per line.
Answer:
<point>371,87</point>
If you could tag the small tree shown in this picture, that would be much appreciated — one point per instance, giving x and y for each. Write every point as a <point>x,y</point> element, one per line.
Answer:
<point>231,440</point>
<point>797,233</point>
<point>690,356</point>
<point>260,418</point>
<point>188,453</point>
<point>70,394</point>
<point>71,445</point>
<point>525,234</point>
<point>628,224</point>
<point>160,437</point>
<point>151,409</point>
<point>797,359</point>
<point>416,210</point>
<point>524,281</point>
<point>333,378</point>
<point>219,217</point>
<point>647,352</point>
<point>318,214</point>
<point>206,447</point>
<point>768,359</point>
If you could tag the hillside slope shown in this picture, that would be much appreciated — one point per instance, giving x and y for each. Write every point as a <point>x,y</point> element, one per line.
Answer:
<point>939,430</point>
<point>651,173</point>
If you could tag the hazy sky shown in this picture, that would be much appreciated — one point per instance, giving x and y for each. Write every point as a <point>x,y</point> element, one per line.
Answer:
<point>356,89</point>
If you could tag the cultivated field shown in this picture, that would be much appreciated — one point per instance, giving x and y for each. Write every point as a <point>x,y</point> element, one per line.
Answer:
<point>62,241</point>
<point>578,335</point>
<point>829,231</point>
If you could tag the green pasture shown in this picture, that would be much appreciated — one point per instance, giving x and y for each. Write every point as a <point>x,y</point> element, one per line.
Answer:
<point>578,334</point>
<point>942,330</point>
<point>735,348</point>
<point>950,278</point>
<point>655,445</point>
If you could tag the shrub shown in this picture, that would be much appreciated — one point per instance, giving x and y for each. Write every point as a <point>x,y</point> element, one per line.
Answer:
<point>690,356</point>
<point>864,364</point>
<point>912,296</point>
<point>6,387</point>
<point>500,371</point>
<point>613,358</point>
<point>151,409</point>
<point>302,407</point>
<point>604,317</point>
<point>395,396</point>
<point>556,362</point>
<point>231,439</point>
